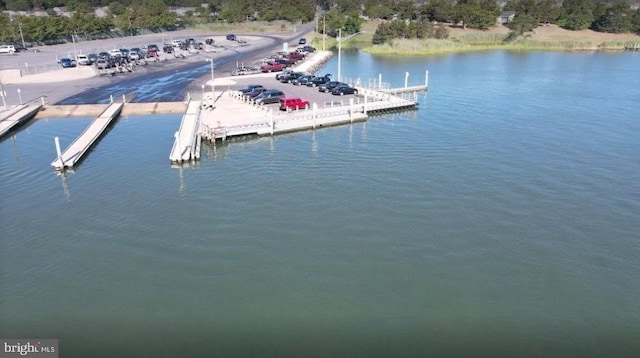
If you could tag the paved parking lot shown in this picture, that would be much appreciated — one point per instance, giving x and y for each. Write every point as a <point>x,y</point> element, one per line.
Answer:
<point>269,81</point>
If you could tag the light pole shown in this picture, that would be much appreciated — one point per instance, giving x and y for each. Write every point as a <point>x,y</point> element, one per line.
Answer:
<point>75,52</point>
<point>212,87</point>
<point>339,53</point>
<point>324,30</point>
<point>20,95</point>
<point>3,94</point>
<point>203,92</point>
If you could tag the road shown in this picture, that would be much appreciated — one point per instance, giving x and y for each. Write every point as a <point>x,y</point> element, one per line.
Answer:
<point>166,81</point>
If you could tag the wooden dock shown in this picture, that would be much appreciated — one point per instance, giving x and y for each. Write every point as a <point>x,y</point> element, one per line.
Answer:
<point>16,116</point>
<point>80,146</point>
<point>186,146</point>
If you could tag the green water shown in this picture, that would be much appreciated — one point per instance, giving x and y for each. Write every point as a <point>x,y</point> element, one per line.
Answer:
<point>500,219</point>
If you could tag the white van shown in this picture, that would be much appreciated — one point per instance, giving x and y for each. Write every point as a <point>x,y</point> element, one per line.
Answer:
<point>7,49</point>
<point>83,60</point>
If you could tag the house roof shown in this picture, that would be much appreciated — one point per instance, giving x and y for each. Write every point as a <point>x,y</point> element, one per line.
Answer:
<point>507,13</point>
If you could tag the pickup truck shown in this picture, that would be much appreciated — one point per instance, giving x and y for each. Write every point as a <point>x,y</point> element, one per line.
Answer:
<point>272,67</point>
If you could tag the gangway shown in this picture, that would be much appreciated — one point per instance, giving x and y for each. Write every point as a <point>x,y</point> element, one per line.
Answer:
<point>80,146</point>
<point>16,116</point>
<point>186,146</point>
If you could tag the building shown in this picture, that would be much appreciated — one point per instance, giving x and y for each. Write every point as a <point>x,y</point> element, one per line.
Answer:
<point>506,17</point>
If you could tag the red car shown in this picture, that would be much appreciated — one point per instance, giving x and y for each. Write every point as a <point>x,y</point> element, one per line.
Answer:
<point>288,104</point>
<point>295,56</point>
<point>272,67</point>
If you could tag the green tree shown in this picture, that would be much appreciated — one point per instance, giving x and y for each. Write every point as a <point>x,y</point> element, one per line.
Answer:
<point>616,18</point>
<point>522,23</point>
<point>635,22</point>
<point>576,14</point>
<point>548,11</point>
<point>437,10</point>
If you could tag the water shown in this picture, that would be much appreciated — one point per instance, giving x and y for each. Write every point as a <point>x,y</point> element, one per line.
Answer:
<point>502,218</point>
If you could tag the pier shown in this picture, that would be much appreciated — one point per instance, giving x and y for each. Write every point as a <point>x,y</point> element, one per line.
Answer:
<point>80,146</point>
<point>16,116</point>
<point>186,146</point>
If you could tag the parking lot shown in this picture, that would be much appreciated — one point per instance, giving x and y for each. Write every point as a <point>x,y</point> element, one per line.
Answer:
<point>310,94</point>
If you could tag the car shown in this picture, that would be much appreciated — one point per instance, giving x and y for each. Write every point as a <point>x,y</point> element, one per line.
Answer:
<point>83,60</point>
<point>288,104</point>
<point>291,76</point>
<point>329,86</point>
<point>309,49</point>
<point>134,53</point>
<point>7,49</point>
<point>104,55</point>
<point>302,80</point>
<point>153,47</point>
<point>167,49</point>
<point>302,41</point>
<point>317,81</point>
<point>294,56</point>
<point>101,63</point>
<point>249,88</point>
<point>115,53</point>
<point>67,63</point>
<point>343,89</point>
<point>245,70</point>
<point>269,96</point>
<point>231,37</point>
<point>151,52</point>
<point>92,58</point>
<point>255,92</point>
<point>272,67</point>
<point>283,73</point>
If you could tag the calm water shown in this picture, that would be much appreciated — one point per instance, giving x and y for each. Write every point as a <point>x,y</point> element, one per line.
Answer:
<point>502,218</point>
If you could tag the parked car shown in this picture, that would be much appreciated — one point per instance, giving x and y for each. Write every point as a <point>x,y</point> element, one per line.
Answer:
<point>269,96</point>
<point>250,88</point>
<point>151,52</point>
<point>294,56</point>
<point>302,41</point>
<point>167,49</point>
<point>101,63</point>
<point>283,73</point>
<point>329,86</point>
<point>302,80</point>
<point>231,37</point>
<point>153,47</point>
<point>317,81</point>
<point>83,60</point>
<point>134,53</point>
<point>245,70</point>
<point>309,49</point>
<point>284,61</point>
<point>104,55</point>
<point>67,63</point>
<point>92,58</point>
<point>288,104</point>
<point>343,89</point>
<point>272,67</point>
<point>255,92</point>
<point>115,53</point>
<point>7,49</point>
<point>291,76</point>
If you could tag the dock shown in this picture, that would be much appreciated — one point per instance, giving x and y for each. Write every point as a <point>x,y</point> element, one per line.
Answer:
<point>16,116</point>
<point>80,146</point>
<point>186,146</point>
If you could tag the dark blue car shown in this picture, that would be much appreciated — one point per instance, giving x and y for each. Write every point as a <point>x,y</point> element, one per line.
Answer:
<point>67,62</point>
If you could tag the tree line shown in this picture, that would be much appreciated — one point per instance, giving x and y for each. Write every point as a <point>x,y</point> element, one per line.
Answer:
<point>412,19</point>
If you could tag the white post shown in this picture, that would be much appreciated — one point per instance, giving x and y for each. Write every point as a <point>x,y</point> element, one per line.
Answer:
<point>364,107</point>
<point>20,95</point>
<point>124,99</point>
<point>379,81</point>
<point>351,109</point>
<point>203,92</point>
<point>273,123</point>
<point>3,94</point>
<point>111,98</point>
<point>426,78</point>
<point>42,101</point>
<point>339,52</point>
<point>406,79</point>
<point>58,151</point>
<point>315,113</point>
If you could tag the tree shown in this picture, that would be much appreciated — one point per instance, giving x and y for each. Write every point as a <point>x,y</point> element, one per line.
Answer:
<point>522,23</point>
<point>635,22</point>
<point>576,14</point>
<point>616,18</point>
<point>548,11</point>
<point>437,10</point>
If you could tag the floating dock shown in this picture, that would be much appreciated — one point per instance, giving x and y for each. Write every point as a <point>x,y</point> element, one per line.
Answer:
<point>16,116</point>
<point>80,146</point>
<point>186,146</point>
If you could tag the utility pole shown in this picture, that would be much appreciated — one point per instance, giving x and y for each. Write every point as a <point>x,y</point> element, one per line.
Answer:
<point>21,36</point>
<point>324,30</point>
<point>339,52</point>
